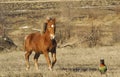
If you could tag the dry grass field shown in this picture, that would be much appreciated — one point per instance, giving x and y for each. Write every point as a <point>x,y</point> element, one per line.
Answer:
<point>75,62</point>
<point>86,32</point>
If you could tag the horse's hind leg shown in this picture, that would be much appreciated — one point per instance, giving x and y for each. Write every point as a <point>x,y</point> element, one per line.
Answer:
<point>36,60</point>
<point>27,54</point>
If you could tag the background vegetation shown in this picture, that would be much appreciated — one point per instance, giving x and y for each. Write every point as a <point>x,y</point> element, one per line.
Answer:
<point>73,17</point>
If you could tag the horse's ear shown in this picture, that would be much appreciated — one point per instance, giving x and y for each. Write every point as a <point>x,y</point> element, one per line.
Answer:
<point>48,19</point>
<point>54,19</point>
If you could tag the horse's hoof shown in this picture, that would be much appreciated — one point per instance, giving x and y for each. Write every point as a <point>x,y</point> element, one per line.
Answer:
<point>27,69</point>
<point>50,68</point>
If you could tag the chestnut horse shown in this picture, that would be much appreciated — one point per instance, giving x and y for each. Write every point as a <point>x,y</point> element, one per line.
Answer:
<point>42,44</point>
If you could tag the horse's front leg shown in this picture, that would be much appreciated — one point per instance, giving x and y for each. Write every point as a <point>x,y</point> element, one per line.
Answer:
<point>36,56</point>
<point>48,60</point>
<point>53,54</point>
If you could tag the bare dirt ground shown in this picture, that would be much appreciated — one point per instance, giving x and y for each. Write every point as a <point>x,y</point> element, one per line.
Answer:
<point>76,62</point>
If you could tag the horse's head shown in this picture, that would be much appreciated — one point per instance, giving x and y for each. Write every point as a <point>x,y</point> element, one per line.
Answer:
<point>51,27</point>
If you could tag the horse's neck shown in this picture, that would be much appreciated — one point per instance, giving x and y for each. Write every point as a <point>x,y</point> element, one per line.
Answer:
<point>47,35</point>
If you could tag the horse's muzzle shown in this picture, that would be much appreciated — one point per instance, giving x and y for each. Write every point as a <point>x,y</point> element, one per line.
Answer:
<point>52,36</point>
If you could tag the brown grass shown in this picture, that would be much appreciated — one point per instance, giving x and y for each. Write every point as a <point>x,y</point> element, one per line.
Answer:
<point>74,22</point>
<point>76,62</point>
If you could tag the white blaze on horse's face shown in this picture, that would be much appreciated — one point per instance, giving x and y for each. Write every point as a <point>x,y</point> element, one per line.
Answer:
<point>52,25</point>
<point>52,35</point>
